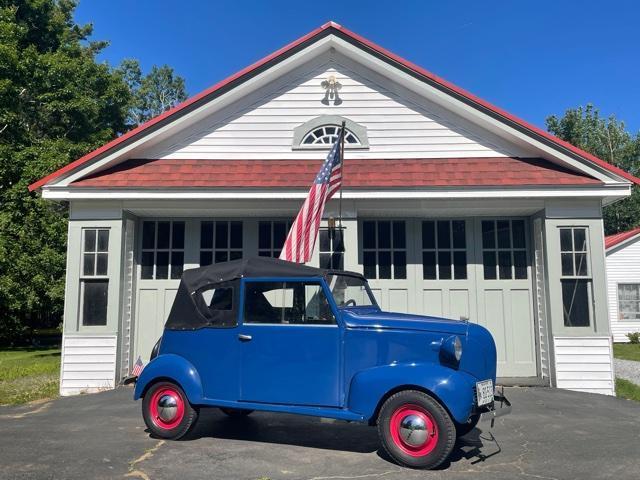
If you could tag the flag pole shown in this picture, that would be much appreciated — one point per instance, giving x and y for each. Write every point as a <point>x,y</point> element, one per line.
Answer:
<point>342,175</point>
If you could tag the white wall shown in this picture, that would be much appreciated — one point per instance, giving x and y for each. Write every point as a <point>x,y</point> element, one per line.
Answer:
<point>623,266</point>
<point>584,364</point>
<point>88,363</point>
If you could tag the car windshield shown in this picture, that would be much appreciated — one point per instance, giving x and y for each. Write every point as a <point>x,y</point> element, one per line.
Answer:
<point>350,291</point>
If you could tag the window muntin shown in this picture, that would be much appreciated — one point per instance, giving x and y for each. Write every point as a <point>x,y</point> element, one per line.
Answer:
<point>384,249</point>
<point>331,248</point>
<point>504,250</point>
<point>162,250</point>
<point>220,241</point>
<point>328,135</point>
<point>575,280</point>
<point>629,301</point>
<point>444,250</point>
<point>287,303</point>
<point>271,237</point>
<point>94,283</point>
<point>348,290</point>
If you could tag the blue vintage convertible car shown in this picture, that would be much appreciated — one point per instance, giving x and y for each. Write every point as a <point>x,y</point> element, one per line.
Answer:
<point>265,334</point>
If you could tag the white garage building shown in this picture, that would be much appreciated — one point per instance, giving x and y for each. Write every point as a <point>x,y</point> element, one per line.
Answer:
<point>451,207</point>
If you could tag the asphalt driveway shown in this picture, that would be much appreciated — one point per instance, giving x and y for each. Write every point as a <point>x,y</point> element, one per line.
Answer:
<point>551,434</point>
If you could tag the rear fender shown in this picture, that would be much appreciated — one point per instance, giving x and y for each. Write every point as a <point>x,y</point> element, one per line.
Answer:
<point>454,389</point>
<point>171,367</point>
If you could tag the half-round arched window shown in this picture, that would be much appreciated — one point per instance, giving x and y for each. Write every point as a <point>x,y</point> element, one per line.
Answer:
<point>322,132</point>
<point>327,135</point>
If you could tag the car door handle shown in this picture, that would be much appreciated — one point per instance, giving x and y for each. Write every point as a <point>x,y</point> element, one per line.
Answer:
<point>244,338</point>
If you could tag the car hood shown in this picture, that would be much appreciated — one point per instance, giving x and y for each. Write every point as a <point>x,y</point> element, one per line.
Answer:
<point>378,320</point>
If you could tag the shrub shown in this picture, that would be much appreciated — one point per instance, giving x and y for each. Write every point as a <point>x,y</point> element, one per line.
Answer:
<point>634,337</point>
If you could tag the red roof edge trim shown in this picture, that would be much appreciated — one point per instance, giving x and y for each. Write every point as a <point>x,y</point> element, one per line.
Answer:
<point>376,48</point>
<point>611,241</point>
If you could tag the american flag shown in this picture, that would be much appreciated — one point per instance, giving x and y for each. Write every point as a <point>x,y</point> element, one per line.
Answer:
<point>137,368</point>
<point>302,237</point>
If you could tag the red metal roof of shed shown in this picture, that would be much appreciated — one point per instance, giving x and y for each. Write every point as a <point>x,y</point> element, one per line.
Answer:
<point>617,238</point>
<point>358,173</point>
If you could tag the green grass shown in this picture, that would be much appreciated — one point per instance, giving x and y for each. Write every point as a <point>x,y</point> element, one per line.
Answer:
<point>28,374</point>
<point>628,390</point>
<point>627,351</point>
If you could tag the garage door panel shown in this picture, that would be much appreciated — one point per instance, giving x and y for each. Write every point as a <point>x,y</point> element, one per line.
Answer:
<point>522,326</point>
<point>459,303</point>
<point>432,302</point>
<point>494,320</point>
<point>145,321</point>
<point>398,300</point>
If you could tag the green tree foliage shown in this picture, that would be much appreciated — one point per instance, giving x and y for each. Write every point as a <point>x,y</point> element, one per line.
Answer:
<point>56,104</point>
<point>609,140</point>
<point>153,93</point>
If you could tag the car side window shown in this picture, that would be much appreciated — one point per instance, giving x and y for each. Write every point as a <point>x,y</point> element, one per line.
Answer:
<point>215,302</point>
<point>289,303</point>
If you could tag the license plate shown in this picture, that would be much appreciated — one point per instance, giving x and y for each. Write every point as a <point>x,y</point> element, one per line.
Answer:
<point>484,392</point>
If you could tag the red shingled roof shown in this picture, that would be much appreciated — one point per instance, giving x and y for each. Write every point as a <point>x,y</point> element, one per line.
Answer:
<point>358,173</point>
<point>339,30</point>
<point>617,238</point>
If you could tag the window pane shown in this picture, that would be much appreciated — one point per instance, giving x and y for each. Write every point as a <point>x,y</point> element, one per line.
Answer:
<point>325,260</point>
<point>575,302</point>
<point>460,265</point>
<point>565,240</point>
<point>504,234</point>
<point>162,265</point>
<point>459,239</point>
<point>399,265</point>
<point>88,264</point>
<point>429,265</point>
<point>368,235</point>
<point>567,264</point>
<point>206,235</point>
<point>581,265</point>
<point>221,257</point>
<point>101,266</point>
<point>520,264</point>
<point>163,234</point>
<point>324,240</point>
<point>103,240</point>
<point>148,234</point>
<point>580,240</point>
<point>94,302</point>
<point>444,265</point>
<point>444,235</point>
<point>428,235</point>
<point>338,240</point>
<point>206,258</point>
<point>236,255</point>
<point>504,265</point>
<point>384,264</point>
<point>629,291</point>
<point>266,302</point>
<point>264,235</point>
<point>518,233</point>
<point>399,235</point>
<point>384,234</point>
<point>488,234</point>
<point>337,261</point>
<point>177,264</point>
<point>147,265</point>
<point>177,240</point>
<point>280,232</point>
<point>369,264</point>
<point>489,265</point>
<point>222,235</point>
<point>89,240</point>
<point>236,235</point>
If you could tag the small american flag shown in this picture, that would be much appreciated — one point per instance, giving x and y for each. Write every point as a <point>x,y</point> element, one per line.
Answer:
<point>302,237</point>
<point>137,368</point>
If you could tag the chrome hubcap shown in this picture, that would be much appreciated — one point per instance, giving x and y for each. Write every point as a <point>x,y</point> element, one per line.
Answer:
<point>167,408</point>
<point>413,430</point>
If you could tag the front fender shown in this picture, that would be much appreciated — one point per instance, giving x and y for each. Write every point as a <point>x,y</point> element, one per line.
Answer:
<point>453,388</point>
<point>175,368</point>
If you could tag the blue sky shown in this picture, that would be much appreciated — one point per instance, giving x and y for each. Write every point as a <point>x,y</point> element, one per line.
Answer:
<point>532,58</point>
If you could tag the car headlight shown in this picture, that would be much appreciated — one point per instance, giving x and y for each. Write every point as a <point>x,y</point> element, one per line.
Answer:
<point>451,351</point>
<point>457,348</point>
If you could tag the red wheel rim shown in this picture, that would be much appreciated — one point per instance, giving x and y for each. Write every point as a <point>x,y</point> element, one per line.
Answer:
<point>413,430</point>
<point>166,408</point>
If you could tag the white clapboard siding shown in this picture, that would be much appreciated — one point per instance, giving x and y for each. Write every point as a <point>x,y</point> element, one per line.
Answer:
<point>584,364</point>
<point>623,266</point>
<point>397,127</point>
<point>88,363</point>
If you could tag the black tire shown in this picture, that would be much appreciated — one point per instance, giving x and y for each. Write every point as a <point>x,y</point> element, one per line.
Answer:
<point>463,428</point>
<point>436,450</point>
<point>236,412</point>
<point>180,424</point>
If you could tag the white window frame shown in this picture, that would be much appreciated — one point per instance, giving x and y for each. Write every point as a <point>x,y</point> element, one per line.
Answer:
<point>588,277</point>
<point>218,249</point>
<point>331,252</point>
<point>84,278</point>
<point>450,249</point>
<point>155,250</point>
<point>392,248</point>
<point>497,249</point>
<point>620,318</point>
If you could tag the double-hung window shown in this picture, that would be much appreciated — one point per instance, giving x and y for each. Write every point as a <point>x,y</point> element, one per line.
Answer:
<point>629,301</point>
<point>94,282</point>
<point>576,281</point>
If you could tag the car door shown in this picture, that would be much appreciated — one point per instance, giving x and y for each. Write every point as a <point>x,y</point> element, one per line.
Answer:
<point>290,344</point>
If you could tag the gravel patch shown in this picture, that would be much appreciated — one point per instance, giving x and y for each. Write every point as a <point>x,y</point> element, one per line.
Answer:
<point>627,369</point>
